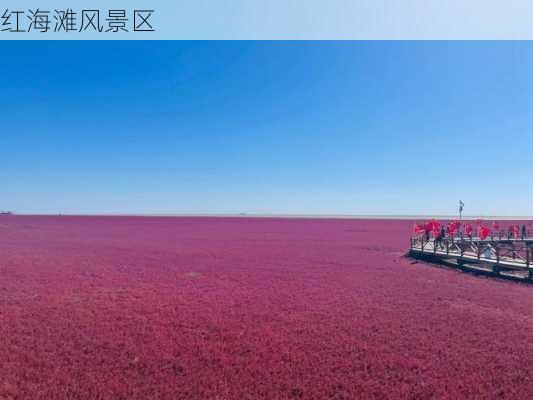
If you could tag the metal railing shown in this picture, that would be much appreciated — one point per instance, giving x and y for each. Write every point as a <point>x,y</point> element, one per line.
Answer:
<point>501,250</point>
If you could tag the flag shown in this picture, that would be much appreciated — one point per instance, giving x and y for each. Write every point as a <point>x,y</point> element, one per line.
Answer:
<point>461,206</point>
<point>453,227</point>
<point>434,224</point>
<point>419,228</point>
<point>434,227</point>
<point>483,232</point>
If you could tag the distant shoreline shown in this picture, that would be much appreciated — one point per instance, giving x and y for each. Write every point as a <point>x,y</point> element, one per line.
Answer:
<point>296,216</point>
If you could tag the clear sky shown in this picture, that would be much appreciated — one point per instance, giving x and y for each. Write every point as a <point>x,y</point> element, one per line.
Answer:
<point>267,127</point>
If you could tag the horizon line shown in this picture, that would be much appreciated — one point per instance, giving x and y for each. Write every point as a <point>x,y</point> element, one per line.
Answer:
<point>275,215</point>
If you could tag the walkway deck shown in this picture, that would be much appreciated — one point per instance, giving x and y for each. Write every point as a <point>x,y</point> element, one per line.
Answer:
<point>499,255</point>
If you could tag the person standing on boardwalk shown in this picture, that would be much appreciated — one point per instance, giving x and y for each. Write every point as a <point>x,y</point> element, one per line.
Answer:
<point>442,235</point>
<point>524,233</point>
<point>516,231</point>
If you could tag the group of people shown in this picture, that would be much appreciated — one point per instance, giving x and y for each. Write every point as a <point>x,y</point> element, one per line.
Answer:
<point>456,228</point>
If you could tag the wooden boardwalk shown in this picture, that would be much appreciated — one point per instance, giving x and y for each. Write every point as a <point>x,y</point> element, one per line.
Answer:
<point>497,255</point>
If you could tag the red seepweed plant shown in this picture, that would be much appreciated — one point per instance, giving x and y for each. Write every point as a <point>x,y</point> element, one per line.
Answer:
<point>246,308</point>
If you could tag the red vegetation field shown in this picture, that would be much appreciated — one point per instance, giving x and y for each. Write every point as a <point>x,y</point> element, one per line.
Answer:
<point>238,308</point>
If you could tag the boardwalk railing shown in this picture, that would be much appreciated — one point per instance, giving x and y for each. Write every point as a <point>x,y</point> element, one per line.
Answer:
<point>499,252</point>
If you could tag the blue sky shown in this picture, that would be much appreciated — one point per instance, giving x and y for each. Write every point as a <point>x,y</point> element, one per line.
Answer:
<point>267,127</point>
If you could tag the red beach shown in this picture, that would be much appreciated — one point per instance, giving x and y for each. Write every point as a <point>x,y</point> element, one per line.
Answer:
<point>249,308</point>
